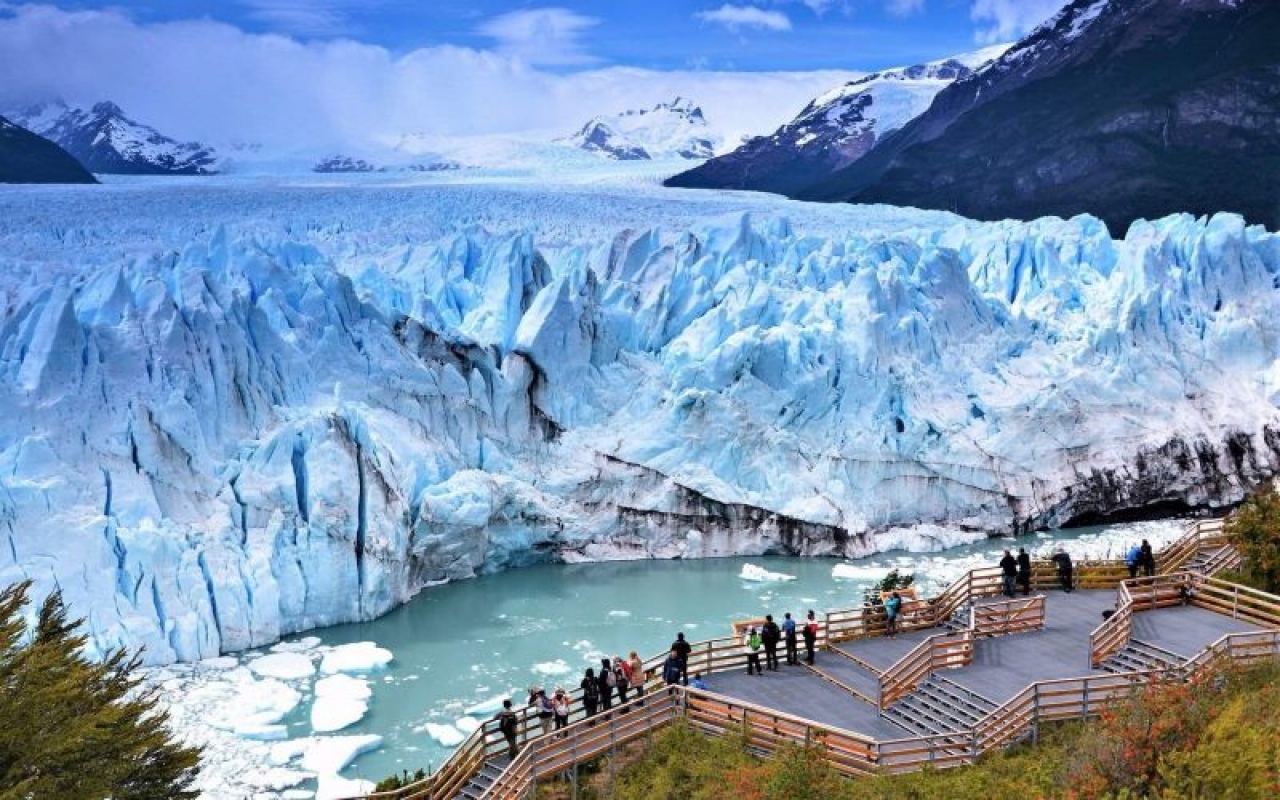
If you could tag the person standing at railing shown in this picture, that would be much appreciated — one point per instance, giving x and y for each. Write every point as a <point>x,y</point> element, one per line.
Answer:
<point>671,668</point>
<point>637,674</point>
<point>789,636</point>
<point>1133,560</point>
<point>1024,571</point>
<point>1009,571</point>
<point>621,678</point>
<point>810,636</point>
<point>770,634</point>
<point>751,644</point>
<point>560,707</point>
<point>1063,562</point>
<point>892,605</point>
<point>682,650</point>
<point>590,692</point>
<point>1147,557</point>
<point>606,681</point>
<point>546,711</point>
<point>507,723</point>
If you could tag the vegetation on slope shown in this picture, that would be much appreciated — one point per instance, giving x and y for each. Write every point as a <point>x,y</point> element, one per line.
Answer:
<point>1254,528</point>
<point>74,728</point>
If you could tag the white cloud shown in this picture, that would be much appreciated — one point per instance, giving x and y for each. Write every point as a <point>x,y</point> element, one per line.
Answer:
<point>542,35</point>
<point>301,17</point>
<point>1005,20</point>
<point>737,18</point>
<point>903,8</point>
<point>207,80</point>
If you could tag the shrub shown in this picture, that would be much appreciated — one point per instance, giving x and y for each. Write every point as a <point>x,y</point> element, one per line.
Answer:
<point>1255,530</point>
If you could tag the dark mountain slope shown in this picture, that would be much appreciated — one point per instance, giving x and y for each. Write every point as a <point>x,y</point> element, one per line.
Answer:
<point>28,158</point>
<point>1119,108</point>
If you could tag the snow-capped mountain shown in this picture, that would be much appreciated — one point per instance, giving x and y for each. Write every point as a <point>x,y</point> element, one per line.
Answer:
<point>310,411</point>
<point>1125,109</point>
<point>833,130</point>
<point>668,130</point>
<point>106,141</point>
<point>26,157</point>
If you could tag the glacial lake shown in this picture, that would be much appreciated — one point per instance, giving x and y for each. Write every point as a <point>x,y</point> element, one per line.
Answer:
<point>468,642</point>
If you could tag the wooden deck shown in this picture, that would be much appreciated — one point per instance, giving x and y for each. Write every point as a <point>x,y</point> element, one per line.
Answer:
<point>1002,666</point>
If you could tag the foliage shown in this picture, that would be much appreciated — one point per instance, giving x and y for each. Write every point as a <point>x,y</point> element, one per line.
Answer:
<point>393,782</point>
<point>893,581</point>
<point>1124,752</point>
<point>1255,530</point>
<point>683,763</point>
<point>74,728</point>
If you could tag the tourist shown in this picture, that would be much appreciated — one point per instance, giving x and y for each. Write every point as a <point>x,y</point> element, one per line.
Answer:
<point>560,707</point>
<point>810,636</point>
<point>682,649</point>
<point>1024,571</point>
<point>507,724</point>
<point>891,608</point>
<point>789,634</point>
<point>546,711</point>
<point>697,682</point>
<point>770,634</point>
<point>622,678</point>
<point>606,681</point>
<point>1133,559</point>
<point>637,674</point>
<point>1063,562</point>
<point>1147,559</point>
<point>751,644</point>
<point>1009,571</point>
<point>590,692</point>
<point>671,668</point>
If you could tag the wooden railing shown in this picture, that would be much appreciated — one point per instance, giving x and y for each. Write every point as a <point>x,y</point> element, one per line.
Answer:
<point>1004,617</point>
<point>1114,632</point>
<point>940,651</point>
<point>584,740</point>
<point>1237,601</point>
<point>1200,534</point>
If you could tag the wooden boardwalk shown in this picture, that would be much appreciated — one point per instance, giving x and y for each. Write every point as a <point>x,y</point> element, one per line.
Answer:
<point>1002,666</point>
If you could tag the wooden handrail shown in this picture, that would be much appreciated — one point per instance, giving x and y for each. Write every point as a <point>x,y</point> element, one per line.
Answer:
<point>1004,617</point>
<point>940,651</point>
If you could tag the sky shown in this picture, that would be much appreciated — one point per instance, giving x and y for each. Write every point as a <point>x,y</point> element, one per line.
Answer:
<point>335,73</point>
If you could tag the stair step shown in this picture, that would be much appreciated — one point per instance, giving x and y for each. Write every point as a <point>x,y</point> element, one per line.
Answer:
<point>940,712</point>
<point>958,694</point>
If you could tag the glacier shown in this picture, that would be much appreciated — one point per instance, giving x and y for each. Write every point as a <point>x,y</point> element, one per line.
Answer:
<point>238,410</point>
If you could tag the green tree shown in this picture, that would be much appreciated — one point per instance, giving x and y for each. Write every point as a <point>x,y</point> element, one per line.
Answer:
<point>1255,530</point>
<point>74,728</point>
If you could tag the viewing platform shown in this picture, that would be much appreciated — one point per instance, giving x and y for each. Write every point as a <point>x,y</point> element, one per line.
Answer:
<point>969,671</point>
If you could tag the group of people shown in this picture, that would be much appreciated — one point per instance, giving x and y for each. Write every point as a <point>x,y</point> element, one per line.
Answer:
<point>1016,571</point>
<point>1141,557</point>
<point>770,635</point>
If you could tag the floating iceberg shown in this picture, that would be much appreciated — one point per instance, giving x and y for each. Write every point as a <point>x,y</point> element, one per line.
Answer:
<point>487,708</point>
<point>327,755</point>
<point>858,572</point>
<point>330,714</point>
<point>357,657</point>
<point>285,666</point>
<point>445,735</point>
<point>753,572</point>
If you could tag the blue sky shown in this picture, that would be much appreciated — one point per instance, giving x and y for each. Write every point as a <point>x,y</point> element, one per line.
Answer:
<point>347,74</point>
<point>747,35</point>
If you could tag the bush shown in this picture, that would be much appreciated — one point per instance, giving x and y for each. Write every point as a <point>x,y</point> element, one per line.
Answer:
<point>73,728</point>
<point>1255,531</point>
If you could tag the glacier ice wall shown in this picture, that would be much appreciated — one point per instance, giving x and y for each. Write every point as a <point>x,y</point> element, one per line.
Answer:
<point>219,434</point>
